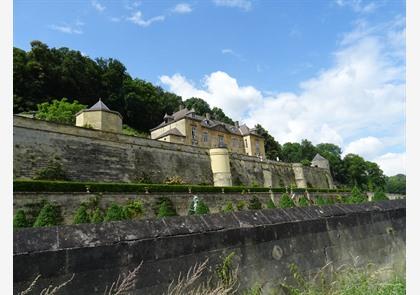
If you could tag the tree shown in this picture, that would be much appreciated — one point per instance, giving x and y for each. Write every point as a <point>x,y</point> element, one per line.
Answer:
<point>270,204</point>
<point>356,197</point>
<point>286,201</point>
<point>356,168</point>
<point>375,177</point>
<point>81,215</point>
<point>395,184</point>
<point>308,150</point>
<point>49,215</point>
<point>219,115</point>
<point>200,106</point>
<point>292,152</point>
<point>271,146</point>
<point>379,195</point>
<point>202,208</point>
<point>59,111</point>
<point>332,153</point>
<point>20,220</point>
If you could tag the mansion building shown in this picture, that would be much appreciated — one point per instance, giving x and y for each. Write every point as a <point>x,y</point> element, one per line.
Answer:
<point>186,127</point>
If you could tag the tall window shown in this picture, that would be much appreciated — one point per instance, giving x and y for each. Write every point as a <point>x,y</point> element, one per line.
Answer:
<point>246,143</point>
<point>221,140</point>
<point>194,132</point>
<point>205,137</point>
<point>257,146</point>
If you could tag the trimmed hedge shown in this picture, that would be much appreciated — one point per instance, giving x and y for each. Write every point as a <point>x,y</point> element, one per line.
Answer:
<point>96,187</point>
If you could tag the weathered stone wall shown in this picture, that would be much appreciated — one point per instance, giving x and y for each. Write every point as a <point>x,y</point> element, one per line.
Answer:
<point>70,202</point>
<point>265,243</point>
<point>96,155</point>
<point>103,156</point>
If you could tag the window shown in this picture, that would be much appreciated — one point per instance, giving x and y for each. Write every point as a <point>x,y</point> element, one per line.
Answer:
<point>221,141</point>
<point>205,137</point>
<point>234,142</point>
<point>194,132</point>
<point>246,143</point>
<point>257,146</point>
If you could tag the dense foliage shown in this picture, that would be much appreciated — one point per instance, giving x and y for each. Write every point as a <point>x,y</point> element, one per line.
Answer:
<point>395,184</point>
<point>254,203</point>
<point>50,215</point>
<point>20,220</point>
<point>286,201</point>
<point>60,111</point>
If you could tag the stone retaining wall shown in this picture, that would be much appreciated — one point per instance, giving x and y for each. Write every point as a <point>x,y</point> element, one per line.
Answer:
<point>265,243</point>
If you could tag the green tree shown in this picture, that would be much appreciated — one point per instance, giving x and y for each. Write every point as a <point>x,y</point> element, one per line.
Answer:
<point>395,184</point>
<point>49,215</point>
<point>166,209</point>
<point>379,196</point>
<point>200,106</point>
<point>228,207</point>
<point>115,213</point>
<point>219,115</point>
<point>270,204</point>
<point>292,152</point>
<point>254,203</point>
<point>81,215</point>
<point>286,201</point>
<point>20,220</point>
<point>59,111</point>
<point>356,197</point>
<point>356,168</point>
<point>202,208</point>
<point>271,146</point>
<point>375,177</point>
<point>303,202</point>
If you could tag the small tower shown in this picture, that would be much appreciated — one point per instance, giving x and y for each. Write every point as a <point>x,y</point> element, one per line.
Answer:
<point>100,117</point>
<point>320,162</point>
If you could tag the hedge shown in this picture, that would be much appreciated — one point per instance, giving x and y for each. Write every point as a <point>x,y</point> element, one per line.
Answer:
<point>96,187</point>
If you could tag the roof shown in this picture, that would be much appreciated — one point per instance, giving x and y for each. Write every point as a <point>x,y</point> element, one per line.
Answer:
<point>318,157</point>
<point>207,123</point>
<point>99,106</point>
<point>173,131</point>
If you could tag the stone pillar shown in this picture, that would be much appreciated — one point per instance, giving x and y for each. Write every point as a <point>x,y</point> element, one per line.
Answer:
<point>220,165</point>
<point>299,175</point>
<point>268,177</point>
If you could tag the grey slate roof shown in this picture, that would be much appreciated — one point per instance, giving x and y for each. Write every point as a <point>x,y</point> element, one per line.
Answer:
<point>173,131</point>
<point>208,123</point>
<point>99,106</point>
<point>318,157</point>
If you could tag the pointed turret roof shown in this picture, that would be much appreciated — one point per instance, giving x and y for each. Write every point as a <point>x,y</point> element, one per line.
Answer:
<point>318,157</point>
<point>99,106</point>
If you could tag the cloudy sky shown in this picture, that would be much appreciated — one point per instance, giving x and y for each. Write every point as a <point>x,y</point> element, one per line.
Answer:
<point>328,71</point>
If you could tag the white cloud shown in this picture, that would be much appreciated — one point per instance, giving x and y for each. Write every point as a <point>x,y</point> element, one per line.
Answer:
<point>182,8</point>
<point>358,6</point>
<point>137,19</point>
<point>98,6</point>
<point>367,147</point>
<point>218,89</point>
<point>115,19</point>
<point>392,163</point>
<point>69,29</point>
<point>242,4</point>
<point>357,103</point>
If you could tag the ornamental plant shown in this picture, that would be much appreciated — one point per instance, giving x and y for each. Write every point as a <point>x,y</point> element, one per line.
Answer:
<point>228,207</point>
<point>165,207</point>
<point>240,205</point>
<point>82,215</point>
<point>254,203</point>
<point>114,213</point>
<point>49,215</point>
<point>303,202</point>
<point>19,220</point>
<point>379,196</point>
<point>97,216</point>
<point>270,204</point>
<point>356,196</point>
<point>202,208</point>
<point>286,201</point>
<point>133,209</point>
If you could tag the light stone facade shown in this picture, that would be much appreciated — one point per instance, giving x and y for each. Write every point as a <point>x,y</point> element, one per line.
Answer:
<point>100,117</point>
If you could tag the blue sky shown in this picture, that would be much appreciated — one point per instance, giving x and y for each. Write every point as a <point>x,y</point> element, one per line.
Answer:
<point>328,71</point>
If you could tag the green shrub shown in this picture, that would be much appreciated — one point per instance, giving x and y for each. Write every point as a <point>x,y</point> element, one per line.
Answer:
<point>82,215</point>
<point>164,207</point>
<point>270,204</point>
<point>320,201</point>
<point>356,197</point>
<point>379,196</point>
<point>53,171</point>
<point>303,202</point>
<point>133,209</point>
<point>202,208</point>
<point>254,203</point>
<point>49,215</point>
<point>240,205</point>
<point>339,199</point>
<point>114,213</point>
<point>286,201</point>
<point>19,220</point>
<point>97,216</point>
<point>228,207</point>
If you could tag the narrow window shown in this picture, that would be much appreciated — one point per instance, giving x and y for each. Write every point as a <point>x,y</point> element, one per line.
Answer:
<point>221,140</point>
<point>246,143</point>
<point>205,137</point>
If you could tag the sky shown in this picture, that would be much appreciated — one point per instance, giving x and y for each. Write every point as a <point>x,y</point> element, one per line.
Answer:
<point>326,70</point>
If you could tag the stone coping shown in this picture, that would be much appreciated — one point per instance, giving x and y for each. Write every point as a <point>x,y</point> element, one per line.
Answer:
<point>56,238</point>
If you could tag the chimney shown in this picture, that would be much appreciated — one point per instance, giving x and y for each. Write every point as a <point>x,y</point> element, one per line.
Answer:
<point>237,124</point>
<point>208,116</point>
